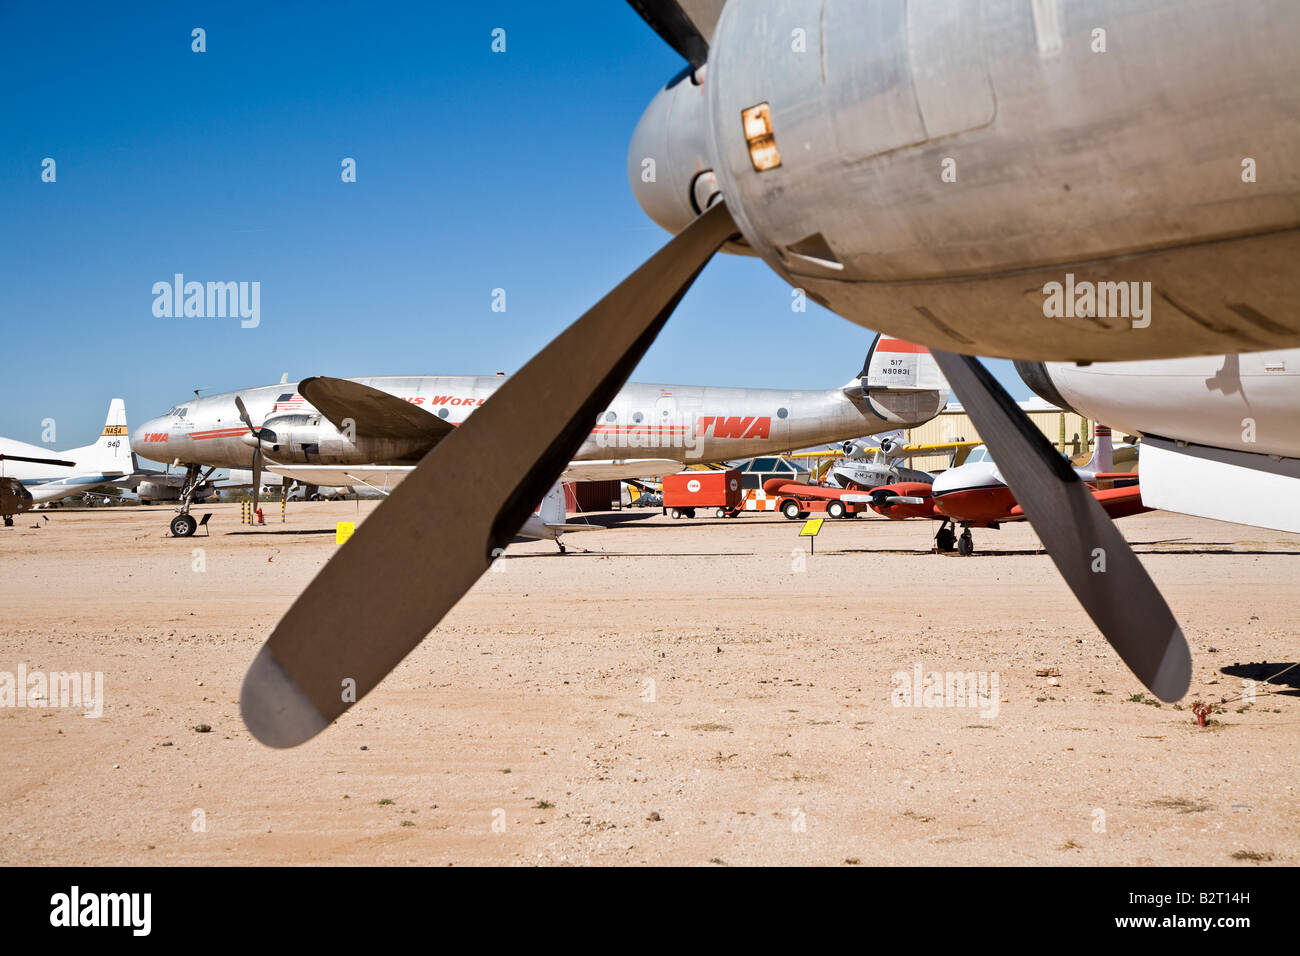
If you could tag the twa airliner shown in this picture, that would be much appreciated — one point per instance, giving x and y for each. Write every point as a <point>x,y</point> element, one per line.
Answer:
<point>373,431</point>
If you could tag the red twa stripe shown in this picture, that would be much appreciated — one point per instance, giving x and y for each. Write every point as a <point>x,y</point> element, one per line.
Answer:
<point>640,428</point>
<point>898,345</point>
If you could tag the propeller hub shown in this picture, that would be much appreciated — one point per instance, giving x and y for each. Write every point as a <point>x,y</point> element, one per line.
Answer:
<point>265,437</point>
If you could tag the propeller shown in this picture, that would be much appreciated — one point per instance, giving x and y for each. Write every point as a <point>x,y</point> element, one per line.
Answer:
<point>257,449</point>
<point>887,499</point>
<point>1093,557</point>
<point>436,533</point>
<point>667,19</point>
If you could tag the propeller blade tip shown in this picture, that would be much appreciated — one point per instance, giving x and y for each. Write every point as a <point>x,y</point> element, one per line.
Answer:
<point>274,707</point>
<point>1174,675</point>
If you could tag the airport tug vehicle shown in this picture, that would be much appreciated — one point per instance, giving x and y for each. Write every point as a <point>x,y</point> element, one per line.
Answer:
<point>719,490</point>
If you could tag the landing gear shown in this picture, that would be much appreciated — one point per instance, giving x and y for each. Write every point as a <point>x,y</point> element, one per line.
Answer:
<point>561,544</point>
<point>966,544</point>
<point>946,538</point>
<point>9,521</point>
<point>182,526</point>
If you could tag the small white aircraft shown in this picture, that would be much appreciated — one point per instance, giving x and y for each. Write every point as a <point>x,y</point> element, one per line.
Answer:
<point>44,478</point>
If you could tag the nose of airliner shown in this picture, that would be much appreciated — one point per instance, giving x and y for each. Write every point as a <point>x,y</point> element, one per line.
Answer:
<point>145,438</point>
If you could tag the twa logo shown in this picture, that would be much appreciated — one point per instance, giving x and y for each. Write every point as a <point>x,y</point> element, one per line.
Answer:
<point>734,427</point>
<point>155,436</point>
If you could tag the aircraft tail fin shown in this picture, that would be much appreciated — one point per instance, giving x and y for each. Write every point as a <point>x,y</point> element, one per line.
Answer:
<point>552,510</point>
<point>112,453</point>
<point>1103,452</point>
<point>901,382</point>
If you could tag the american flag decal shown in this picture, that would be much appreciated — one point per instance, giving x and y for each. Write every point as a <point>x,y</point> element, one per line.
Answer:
<point>287,401</point>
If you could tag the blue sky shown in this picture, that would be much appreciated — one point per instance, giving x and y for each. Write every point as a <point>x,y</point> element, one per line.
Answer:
<point>475,170</point>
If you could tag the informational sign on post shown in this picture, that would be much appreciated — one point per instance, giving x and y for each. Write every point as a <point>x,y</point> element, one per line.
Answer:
<point>810,530</point>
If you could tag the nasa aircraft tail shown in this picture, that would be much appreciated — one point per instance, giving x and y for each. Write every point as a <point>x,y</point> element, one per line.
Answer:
<point>112,453</point>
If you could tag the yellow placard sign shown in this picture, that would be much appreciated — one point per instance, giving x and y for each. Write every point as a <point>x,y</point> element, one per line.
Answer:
<point>343,531</point>
<point>811,527</point>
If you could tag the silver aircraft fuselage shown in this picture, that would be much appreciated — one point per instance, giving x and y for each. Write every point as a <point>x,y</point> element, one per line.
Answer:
<point>680,422</point>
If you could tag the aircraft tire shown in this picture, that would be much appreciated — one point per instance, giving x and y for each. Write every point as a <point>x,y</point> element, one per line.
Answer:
<point>966,545</point>
<point>945,539</point>
<point>183,526</point>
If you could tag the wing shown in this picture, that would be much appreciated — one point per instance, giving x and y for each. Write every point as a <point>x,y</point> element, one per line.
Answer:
<point>39,461</point>
<point>1116,502</point>
<point>621,469</point>
<point>923,449</point>
<point>372,413</point>
<point>381,477</point>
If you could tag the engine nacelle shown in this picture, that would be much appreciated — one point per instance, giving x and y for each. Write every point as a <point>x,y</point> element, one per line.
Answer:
<point>983,178</point>
<point>310,438</point>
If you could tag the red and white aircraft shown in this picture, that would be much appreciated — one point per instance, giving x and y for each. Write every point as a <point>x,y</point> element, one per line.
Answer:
<point>975,495</point>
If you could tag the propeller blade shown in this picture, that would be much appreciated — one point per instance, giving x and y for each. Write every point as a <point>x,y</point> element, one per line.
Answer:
<point>257,474</point>
<point>438,531</point>
<point>39,461</point>
<point>257,450</point>
<point>667,19</point>
<point>1084,543</point>
<point>243,414</point>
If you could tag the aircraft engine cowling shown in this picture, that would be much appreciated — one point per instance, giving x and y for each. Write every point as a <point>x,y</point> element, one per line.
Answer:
<point>309,438</point>
<point>903,500</point>
<point>930,169</point>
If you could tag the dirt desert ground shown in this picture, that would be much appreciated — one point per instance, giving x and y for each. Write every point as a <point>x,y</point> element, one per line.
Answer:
<point>690,692</point>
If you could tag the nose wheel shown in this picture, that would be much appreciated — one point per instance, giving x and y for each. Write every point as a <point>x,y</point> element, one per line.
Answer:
<point>183,525</point>
<point>966,544</point>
